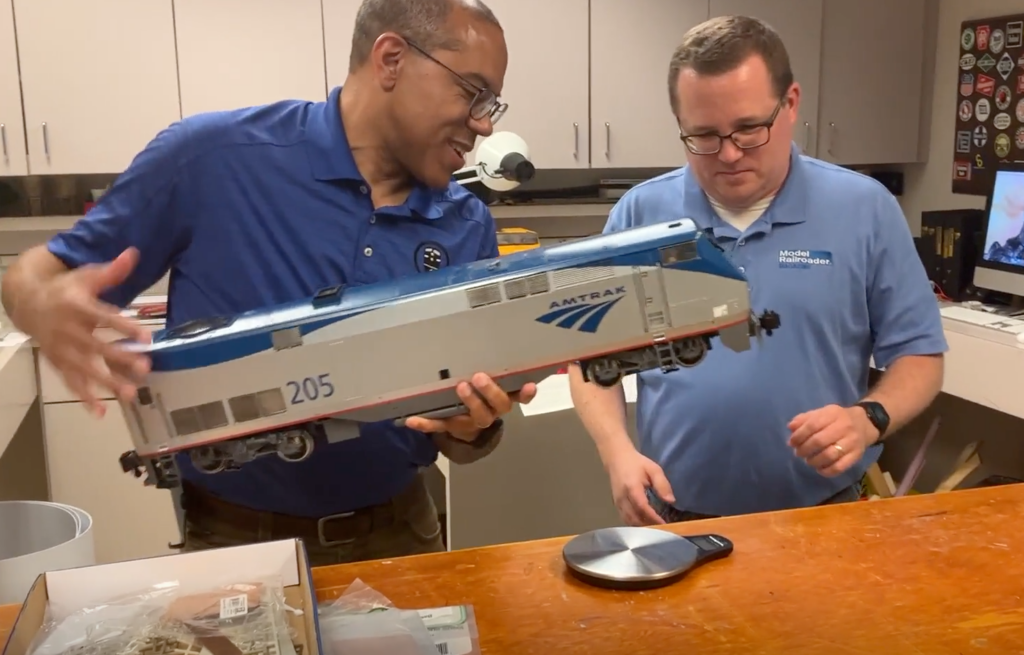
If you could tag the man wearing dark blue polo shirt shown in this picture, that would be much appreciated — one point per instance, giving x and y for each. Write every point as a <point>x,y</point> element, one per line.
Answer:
<point>791,423</point>
<point>259,206</point>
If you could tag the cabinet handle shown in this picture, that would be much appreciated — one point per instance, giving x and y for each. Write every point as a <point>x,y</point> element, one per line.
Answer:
<point>831,138</point>
<point>807,135</point>
<point>608,140</point>
<point>3,140</point>
<point>576,140</point>
<point>46,143</point>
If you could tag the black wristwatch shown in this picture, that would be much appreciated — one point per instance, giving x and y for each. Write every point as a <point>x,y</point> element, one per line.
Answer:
<point>877,415</point>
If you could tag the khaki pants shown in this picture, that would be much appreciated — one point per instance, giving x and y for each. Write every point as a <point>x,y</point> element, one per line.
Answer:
<point>407,525</point>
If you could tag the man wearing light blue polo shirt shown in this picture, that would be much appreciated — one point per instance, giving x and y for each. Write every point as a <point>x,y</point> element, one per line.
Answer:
<point>791,423</point>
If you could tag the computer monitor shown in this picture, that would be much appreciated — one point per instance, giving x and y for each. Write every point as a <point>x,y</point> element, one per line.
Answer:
<point>1000,263</point>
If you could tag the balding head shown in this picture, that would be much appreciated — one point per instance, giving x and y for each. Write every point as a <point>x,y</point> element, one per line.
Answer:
<point>424,22</point>
<point>430,72</point>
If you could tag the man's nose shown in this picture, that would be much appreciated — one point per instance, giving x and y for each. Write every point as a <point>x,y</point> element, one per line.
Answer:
<point>483,127</point>
<point>729,153</point>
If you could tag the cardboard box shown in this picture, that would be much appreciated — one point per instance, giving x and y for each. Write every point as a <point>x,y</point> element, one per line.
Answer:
<point>72,590</point>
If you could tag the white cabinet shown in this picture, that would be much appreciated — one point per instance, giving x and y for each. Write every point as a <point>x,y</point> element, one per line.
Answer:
<point>12,127</point>
<point>798,23</point>
<point>18,385</point>
<point>98,79</point>
<point>871,81</point>
<point>631,44</point>
<point>339,21</point>
<point>586,86</point>
<point>240,53</point>
<point>546,84</point>
<point>82,452</point>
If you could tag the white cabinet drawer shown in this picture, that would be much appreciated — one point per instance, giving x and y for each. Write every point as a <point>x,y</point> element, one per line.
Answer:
<point>51,385</point>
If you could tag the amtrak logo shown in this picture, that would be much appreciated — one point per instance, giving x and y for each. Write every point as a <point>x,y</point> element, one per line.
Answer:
<point>584,312</point>
<point>804,258</point>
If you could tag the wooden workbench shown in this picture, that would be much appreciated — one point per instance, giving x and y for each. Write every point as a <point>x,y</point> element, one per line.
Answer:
<point>930,575</point>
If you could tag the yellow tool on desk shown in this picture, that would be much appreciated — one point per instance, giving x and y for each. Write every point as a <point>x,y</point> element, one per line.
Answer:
<point>514,239</point>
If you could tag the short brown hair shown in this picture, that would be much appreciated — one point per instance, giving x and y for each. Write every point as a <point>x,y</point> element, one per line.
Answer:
<point>421,21</point>
<point>721,44</point>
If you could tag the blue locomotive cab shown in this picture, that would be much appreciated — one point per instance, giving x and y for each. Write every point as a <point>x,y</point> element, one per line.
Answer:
<point>700,254</point>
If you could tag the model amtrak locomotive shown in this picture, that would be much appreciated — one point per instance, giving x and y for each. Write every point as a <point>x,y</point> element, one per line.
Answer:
<point>232,388</point>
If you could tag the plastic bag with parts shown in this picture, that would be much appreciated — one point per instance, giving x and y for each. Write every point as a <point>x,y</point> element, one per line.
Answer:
<point>363,622</point>
<point>245,618</point>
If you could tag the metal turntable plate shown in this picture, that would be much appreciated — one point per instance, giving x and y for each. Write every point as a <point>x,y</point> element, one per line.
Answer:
<point>638,557</point>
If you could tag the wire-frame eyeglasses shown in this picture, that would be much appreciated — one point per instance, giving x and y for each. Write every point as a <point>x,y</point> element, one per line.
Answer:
<point>745,138</point>
<point>485,103</point>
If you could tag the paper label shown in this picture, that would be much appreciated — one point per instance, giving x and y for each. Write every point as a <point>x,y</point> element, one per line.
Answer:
<point>233,606</point>
<point>449,629</point>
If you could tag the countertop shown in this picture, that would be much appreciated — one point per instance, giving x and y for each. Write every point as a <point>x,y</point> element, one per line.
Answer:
<point>18,388</point>
<point>935,574</point>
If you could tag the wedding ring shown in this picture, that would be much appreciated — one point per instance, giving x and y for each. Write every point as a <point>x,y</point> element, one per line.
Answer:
<point>837,447</point>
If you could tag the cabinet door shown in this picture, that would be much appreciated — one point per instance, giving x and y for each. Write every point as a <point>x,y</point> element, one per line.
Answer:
<point>99,80</point>
<point>546,85</point>
<point>798,23</point>
<point>631,45</point>
<point>12,129</point>
<point>240,53</point>
<point>871,69</point>
<point>130,520</point>
<point>339,22</point>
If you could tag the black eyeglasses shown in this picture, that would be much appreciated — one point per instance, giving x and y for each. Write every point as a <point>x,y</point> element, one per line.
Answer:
<point>745,138</point>
<point>485,103</point>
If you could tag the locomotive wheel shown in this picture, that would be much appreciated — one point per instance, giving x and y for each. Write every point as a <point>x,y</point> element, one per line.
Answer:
<point>207,460</point>
<point>298,445</point>
<point>690,351</point>
<point>604,372</point>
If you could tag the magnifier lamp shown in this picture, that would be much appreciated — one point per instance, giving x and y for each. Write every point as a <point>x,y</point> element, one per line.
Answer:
<point>502,164</point>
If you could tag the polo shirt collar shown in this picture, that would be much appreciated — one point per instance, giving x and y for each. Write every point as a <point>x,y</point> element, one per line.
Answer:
<point>331,159</point>
<point>787,208</point>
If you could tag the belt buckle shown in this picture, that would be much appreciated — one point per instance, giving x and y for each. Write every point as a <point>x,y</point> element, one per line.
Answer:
<point>320,530</point>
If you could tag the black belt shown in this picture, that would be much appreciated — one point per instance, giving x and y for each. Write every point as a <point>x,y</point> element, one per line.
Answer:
<point>206,510</point>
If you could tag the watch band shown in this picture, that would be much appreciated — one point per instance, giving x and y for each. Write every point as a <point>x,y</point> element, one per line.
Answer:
<point>877,415</point>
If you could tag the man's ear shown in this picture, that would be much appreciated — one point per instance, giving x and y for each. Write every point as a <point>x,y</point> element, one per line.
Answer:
<point>387,58</point>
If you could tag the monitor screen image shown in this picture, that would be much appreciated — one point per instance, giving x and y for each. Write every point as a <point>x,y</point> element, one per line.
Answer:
<point>1004,239</point>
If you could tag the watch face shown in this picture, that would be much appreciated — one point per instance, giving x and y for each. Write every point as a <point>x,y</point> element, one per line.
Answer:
<point>877,415</point>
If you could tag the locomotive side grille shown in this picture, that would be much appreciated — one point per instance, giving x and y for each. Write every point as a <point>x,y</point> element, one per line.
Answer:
<point>208,416</point>
<point>485,295</point>
<point>252,406</point>
<point>538,283</point>
<point>516,289</point>
<point>573,276</point>
<point>527,286</point>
